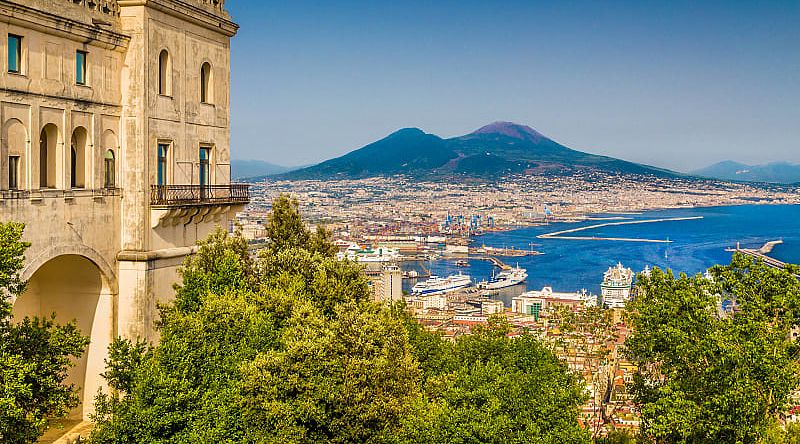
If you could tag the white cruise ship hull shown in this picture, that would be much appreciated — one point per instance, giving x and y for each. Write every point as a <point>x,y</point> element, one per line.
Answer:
<point>428,288</point>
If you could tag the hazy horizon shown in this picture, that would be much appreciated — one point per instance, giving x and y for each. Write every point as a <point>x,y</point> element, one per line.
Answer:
<point>677,85</point>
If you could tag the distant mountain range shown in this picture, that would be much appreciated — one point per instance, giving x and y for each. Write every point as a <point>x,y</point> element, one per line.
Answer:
<point>776,172</point>
<point>495,150</point>
<point>245,169</point>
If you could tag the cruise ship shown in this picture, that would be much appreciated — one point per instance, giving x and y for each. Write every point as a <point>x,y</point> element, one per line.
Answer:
<point>506,278</point>
<point>616,286</point>
<point>358,254</point>
<point>439,285</point>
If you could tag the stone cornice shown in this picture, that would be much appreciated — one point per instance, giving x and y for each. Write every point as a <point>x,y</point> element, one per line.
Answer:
<point>218,21</point>
<point>109,7</point>
<point>51,23</point>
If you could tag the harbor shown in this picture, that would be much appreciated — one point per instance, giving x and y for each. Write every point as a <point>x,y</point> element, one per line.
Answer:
<point>561,234</point>
<point>700,237</point>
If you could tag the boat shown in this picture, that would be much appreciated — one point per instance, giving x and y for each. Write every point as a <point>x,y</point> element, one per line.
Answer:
<point>616,286</point>
<point>439,285</point>
<point>462,263</point>
<point>358,254</point>
<point>505,278</point>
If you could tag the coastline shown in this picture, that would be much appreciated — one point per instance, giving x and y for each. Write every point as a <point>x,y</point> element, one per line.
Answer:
<point>573,265</point>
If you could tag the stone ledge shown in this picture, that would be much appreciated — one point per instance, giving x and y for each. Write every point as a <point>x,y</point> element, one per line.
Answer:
<point>65,27</point>
<point>147,256</point>
<point>216,21</point>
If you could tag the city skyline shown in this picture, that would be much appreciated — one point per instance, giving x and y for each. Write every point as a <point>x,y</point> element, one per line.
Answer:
<point>676,85</point>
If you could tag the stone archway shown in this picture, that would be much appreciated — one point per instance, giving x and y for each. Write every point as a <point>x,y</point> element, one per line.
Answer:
<point>74,288</point>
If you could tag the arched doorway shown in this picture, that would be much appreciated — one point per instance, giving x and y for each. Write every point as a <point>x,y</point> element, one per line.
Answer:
<point>74,288</point>
<point>50,168</point>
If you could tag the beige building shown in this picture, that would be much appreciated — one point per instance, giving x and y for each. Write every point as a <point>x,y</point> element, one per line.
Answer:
<point>385,281</point>
<point>114,151</point>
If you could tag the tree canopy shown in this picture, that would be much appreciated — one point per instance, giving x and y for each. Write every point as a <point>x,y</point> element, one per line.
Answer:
<point>708,375</point>
<point>288,347</point>
<point>35,354</point>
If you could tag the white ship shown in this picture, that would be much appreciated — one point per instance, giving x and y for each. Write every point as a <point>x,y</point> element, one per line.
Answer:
<point>616,286</point>
<point>506,278</point>
<point>358,254</point>
<point>439,285</point>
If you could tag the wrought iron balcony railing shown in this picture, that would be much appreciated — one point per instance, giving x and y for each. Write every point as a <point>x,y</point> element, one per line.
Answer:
<point>192,195</point>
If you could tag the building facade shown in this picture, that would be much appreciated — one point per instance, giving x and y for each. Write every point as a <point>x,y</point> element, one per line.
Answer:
<point>115,153</point>
<point>385,281</point>
<point>536,302</point>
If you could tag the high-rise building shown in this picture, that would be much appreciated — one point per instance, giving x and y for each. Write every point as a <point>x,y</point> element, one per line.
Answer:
<point>115,153</point>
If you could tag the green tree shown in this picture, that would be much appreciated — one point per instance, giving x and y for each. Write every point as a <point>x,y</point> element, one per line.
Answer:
<point>35,354</point>
<point>185,388</point>
<point>706,376</point>
<point>617,437</point>
<point>349,379</point>
<point>286,229</point>
<point>495,389</point>
<point>223,263</point>
<point>289,348</point>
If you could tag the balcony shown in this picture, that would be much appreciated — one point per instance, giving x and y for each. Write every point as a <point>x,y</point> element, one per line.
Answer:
<point>172,196</point>
<point>185,204</point>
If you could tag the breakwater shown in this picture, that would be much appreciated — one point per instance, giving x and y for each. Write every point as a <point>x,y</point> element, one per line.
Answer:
<point>562,233</point>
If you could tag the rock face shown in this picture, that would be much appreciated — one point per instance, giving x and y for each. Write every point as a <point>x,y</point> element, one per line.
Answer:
<point>492,151</point>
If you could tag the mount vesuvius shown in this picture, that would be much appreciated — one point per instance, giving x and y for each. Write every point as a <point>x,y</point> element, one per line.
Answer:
<point>495,150</point>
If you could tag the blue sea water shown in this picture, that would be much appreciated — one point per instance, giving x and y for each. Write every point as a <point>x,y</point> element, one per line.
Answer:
<point>570,265</point>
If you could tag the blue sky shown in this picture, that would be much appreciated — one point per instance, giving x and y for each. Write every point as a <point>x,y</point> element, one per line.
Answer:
<point>675,84</point>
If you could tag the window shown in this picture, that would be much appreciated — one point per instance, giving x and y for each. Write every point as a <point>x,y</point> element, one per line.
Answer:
<point>73,167</point>
<point>13,172</point>
<point>535,309</point>
<point>205,154</point>
<point>205,83</point>
<point>80,67</point>
<point>164,74</point>
<point>163,148</point>
<point>14,53</point>
<point>110,170</point>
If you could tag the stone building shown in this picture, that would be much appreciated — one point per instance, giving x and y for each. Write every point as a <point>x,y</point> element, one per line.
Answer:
<point>385,281</point>
<point>115,153</point>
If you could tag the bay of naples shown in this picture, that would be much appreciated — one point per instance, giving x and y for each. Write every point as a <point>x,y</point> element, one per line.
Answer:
<point>696,243</point>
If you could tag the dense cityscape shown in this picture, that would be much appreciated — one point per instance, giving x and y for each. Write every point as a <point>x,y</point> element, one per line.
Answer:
<point>398,205</point>
<point>389,224</point>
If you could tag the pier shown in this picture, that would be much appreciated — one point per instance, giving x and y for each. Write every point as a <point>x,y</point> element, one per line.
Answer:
<point>497,263</point>
<point>761,253</point>
<point>561,234</point>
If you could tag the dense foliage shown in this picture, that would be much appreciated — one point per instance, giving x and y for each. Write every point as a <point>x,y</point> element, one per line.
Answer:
<point>707,375</point>
<point>35,354</point>
<point>289,348</point>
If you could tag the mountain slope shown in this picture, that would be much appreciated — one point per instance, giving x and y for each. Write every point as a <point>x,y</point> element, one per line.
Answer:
<point>776,172</point>
<point>494,150</point>
<point>408,151</point>
<point>530,151</point>
<point>241,169</point>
